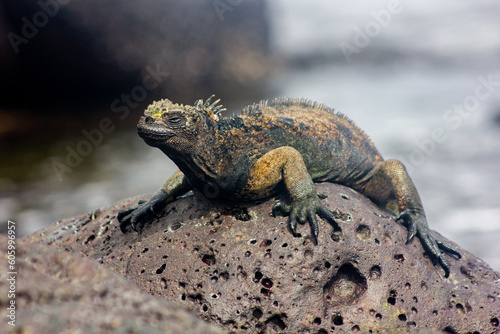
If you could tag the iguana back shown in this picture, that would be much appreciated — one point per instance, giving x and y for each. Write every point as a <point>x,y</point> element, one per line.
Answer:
<point>332,146</point>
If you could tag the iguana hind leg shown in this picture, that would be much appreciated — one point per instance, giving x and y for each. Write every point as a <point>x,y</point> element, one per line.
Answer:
<point>391,183</point>
<point>285,164</point>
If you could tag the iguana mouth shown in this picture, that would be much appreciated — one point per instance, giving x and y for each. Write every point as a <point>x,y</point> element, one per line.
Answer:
<point>153,133</point>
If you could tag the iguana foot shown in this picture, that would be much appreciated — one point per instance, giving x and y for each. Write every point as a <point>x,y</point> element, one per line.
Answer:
<point>141,213</point>
<point>304,210</point>
<point>417,226</point>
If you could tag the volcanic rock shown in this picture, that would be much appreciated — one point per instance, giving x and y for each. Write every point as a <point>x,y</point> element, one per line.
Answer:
<point>240,268</point>
<point>55,291</point>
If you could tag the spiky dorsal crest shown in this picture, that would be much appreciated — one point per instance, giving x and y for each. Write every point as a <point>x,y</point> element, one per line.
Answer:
<point>211,109</point>
<point>281,102</point>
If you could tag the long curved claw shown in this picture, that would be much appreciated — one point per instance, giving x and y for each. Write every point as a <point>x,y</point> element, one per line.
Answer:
<point>405,218</point>
<point>448,249</point>
<point>313,223</point>
<point>417,226</point>
<point>329,217</point>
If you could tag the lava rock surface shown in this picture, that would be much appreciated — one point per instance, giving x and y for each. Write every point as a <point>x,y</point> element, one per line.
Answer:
<point>61,292</point>
<point>242,269</point>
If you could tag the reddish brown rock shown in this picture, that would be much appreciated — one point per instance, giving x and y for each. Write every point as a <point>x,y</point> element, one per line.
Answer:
<point>242,269</point>
<point>61,292</point>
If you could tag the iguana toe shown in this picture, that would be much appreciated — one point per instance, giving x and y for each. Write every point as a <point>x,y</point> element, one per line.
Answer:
<point>305,210</point>
<point>417,226</point>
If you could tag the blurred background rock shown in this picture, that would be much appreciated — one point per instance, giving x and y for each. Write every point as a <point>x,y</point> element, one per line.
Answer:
<point>76,75</point>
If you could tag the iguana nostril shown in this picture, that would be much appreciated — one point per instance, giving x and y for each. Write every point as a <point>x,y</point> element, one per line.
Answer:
<point>149,120</point>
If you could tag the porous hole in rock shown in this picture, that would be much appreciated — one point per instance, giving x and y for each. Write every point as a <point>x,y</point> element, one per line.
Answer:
<point>196,297</point>
<point>267,283</point>
<point>402,317</point>
<point>377,242</point>
<point>450,330</point>
<point>176,225</point>
<point>355,329</point>
<point>494,322</point>
<point>265,292</point>
<point>266,243</point>
<point>327,264</point>
<point>336,236</point>
<point>89,239</point>
<point>317,321</point>
<point>277,320</point>
<point>392,297</point>
<point>208,259</point>
<point>378,316</point>
<point>308,253</point>
<point>241,214</point>
<point>161,269</point>
<point>363,232</point>
<point>399,257</point>
<point>345,287</point>
<point>375,272</point>
<point>257,313</point>
<point>337,319</point>
<point>322,331</point>
<point>257,276</point>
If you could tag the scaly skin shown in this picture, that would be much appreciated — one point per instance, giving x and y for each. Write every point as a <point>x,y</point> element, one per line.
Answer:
<point>285,142</point>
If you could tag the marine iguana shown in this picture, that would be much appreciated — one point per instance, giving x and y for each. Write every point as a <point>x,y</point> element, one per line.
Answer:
<point>284,142</point>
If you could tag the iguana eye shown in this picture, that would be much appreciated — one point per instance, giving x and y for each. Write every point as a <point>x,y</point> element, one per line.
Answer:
<point>174,119</point>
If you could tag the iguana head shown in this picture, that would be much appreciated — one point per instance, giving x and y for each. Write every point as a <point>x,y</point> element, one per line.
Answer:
<point>176,127</point>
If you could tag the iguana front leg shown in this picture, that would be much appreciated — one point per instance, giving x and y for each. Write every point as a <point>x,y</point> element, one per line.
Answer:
<point>390,182</point>
<point>145,211</point>
<point>286,164</point>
